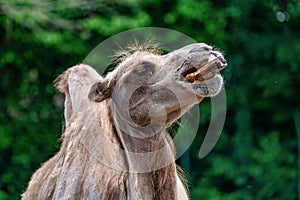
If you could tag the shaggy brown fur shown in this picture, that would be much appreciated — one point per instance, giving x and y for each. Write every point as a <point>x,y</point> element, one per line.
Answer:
<point>112,126</point>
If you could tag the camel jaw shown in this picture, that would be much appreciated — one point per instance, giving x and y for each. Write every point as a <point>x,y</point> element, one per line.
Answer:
<point>203,77</point>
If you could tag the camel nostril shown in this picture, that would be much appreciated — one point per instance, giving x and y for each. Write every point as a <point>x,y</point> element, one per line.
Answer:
<point>217,54</point>
<point>224,62</point>
<point>214,53</point>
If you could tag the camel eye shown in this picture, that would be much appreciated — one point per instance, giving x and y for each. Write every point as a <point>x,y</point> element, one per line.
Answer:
<point>145,69</point>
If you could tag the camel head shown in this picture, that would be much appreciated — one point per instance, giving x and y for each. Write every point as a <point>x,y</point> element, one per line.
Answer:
<point>148,88</point>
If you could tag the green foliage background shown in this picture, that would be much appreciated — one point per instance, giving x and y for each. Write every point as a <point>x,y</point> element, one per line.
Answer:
<point>256,156</point>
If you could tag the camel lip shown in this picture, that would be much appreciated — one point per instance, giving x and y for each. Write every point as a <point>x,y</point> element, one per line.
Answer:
<point>202,71</point>
<point>202,79</point>
<point>209,87</point>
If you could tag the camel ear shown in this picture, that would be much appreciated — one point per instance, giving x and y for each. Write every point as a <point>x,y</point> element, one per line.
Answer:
<point>100,91</point>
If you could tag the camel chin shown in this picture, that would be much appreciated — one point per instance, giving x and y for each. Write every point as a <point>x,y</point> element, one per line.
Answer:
<point>210,87</point>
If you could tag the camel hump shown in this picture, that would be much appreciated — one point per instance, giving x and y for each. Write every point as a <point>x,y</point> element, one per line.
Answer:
<point>75,83</point>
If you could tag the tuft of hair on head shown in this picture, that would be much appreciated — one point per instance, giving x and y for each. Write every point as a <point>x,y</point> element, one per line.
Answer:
<point>218,49</point>
<point>148,45</point>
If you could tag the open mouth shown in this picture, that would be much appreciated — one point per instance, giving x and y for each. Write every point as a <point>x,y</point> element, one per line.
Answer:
<point>204,75</point>
<point>203,71</point>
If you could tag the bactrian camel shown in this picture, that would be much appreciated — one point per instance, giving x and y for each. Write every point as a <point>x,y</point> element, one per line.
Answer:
<point>115,144</point>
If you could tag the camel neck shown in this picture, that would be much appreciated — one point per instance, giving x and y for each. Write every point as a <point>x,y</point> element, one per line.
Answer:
<point>150,160</point>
